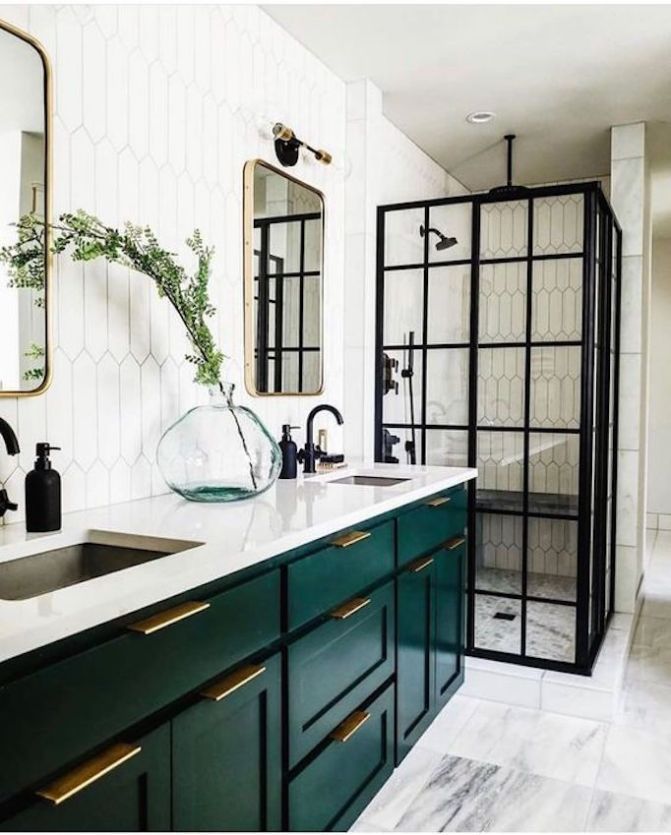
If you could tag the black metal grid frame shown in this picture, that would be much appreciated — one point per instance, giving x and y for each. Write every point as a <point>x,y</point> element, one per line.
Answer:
<point>593,563</point>
<point>264,353</point>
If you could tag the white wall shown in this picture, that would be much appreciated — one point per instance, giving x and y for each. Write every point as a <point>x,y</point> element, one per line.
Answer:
<point>659,413</point>
<point>386,167</point>
<point>630,198</point>
<point>157,108</point>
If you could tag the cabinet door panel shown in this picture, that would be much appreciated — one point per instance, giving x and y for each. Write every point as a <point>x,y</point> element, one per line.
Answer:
<point>134,797</point>
<point>416,658</point>
<point>226,759</point>
<point>335,667</point>
<point>332,791</point>
<point>450,573</point>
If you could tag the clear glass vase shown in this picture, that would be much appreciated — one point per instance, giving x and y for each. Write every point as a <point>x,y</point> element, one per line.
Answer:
<point>219,452</point>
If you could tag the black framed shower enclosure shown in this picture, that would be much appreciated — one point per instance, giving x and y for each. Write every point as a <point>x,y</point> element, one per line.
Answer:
<point>501,352</point>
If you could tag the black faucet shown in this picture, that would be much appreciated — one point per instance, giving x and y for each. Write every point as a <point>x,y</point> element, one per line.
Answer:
<point>12,447</point>
<point>311,453</point>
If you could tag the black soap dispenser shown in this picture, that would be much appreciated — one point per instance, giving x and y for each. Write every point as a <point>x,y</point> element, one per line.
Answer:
<point>43,494</point>
<point>289,453</point>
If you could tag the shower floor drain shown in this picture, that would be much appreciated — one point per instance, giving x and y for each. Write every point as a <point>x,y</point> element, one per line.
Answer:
<point>504,616</point>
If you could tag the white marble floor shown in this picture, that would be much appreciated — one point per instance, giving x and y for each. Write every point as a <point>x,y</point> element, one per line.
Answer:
<point>487,766</point>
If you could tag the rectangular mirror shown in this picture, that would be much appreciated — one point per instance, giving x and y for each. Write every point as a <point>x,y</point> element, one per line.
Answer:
<point>284,242</point>
<point>24,194</point>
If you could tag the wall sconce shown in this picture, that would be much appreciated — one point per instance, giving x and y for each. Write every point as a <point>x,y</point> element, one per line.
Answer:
<point>288,145</point>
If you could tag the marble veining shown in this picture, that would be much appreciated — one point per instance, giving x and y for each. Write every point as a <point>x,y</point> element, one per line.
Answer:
<point>561,747</point>
<point>463,795</point>
<point>622,813</point>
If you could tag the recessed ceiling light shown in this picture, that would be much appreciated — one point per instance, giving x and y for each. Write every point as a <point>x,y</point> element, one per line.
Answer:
<point>479,117</point>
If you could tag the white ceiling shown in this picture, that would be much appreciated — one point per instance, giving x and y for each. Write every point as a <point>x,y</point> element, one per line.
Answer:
<point>557,76</point>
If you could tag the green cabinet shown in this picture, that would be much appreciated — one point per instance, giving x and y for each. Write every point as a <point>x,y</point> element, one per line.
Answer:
<point>450,581</point>
<point>337,665</point>
<point>430,639</point>
<point>352,765</point>
<point>415,662</point>
<point>360,638</point>
<point>227,770</point>
<point>131,796</point>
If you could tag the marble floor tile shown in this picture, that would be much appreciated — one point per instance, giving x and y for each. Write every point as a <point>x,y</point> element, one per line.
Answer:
<point>636,763</point>
<point>390,803</point>
<point>463,795</point>
<point>621,813</point>
<point>653,632</point>
<point>649,664</point>
<point>442,732</point>
<point>547,744</point>
<point>645,705</point>
<point>656,604</point>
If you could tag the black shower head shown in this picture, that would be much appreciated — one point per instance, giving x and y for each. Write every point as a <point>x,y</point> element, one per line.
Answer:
<point>443,241</point>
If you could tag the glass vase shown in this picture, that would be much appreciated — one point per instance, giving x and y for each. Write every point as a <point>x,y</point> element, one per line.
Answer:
<point>219,452</point>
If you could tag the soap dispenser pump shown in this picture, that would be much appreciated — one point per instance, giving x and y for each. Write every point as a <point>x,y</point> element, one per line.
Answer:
<point>289,453</point>
<point>43,493</point>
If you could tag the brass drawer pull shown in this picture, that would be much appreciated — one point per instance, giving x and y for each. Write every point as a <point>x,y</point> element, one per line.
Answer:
<point>167,618</point>
<point>350,608</point>
<point>420,565</point>
<point>220,689</point>
<point>438,501</point>
<point>451,544</point>
<point>350,726</point>
<point>351,538</point>
<point>87,773</point>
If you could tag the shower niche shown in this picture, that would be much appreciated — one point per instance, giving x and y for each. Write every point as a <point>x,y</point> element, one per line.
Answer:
<point>499,350</point>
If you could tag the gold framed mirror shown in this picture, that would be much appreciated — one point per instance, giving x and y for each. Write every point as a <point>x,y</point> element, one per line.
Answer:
<point>284,283</point>
<point>25,193</point>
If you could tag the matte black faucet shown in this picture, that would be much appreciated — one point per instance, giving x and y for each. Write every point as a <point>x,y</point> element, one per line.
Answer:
<point>12,447</point>
<point>311,453</point>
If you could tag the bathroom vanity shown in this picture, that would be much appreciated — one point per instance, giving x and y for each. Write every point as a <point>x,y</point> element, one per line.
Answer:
<point>257,666</point>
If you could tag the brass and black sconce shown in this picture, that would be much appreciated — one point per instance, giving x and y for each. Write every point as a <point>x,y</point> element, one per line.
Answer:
<point>288,145</point>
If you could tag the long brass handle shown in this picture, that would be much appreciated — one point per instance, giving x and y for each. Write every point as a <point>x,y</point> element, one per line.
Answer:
<point>451,544</point>
<point>87,773</point>
<point>220,689</point>
<point>420,565</point>
<point>350,608</point>
<point>350,538</point>
<point>438,501</point>
<point>350,726</point>
<point>167,618</point>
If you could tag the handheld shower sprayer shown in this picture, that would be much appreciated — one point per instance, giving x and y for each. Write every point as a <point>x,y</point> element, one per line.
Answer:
<point>443,241</point>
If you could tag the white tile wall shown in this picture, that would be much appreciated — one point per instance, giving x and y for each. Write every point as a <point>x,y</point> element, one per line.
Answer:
<point>157,108</point>
<point>386,167</point>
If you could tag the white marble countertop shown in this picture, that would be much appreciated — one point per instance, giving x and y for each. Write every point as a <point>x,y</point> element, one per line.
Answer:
<point>229,537</point>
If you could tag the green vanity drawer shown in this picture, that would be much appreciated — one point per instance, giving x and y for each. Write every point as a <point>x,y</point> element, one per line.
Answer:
<point>354,560</point>
<point>428,525</point>
<point>337,665</point>
<point>356,760</point>
<point>129,792</point>
<point>226,754</point>
<point>58,714</point>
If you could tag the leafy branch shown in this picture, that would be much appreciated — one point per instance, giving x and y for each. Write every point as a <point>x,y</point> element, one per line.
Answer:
<point>85,238</point>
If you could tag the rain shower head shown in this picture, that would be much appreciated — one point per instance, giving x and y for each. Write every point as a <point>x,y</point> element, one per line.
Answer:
<point>443,241</point>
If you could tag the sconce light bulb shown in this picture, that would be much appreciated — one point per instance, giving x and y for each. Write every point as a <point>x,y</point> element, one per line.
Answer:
<point>282,132</point>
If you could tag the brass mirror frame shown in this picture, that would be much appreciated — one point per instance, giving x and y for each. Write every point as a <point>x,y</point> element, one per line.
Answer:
<point>48,107</point>
<point>248,264</point>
